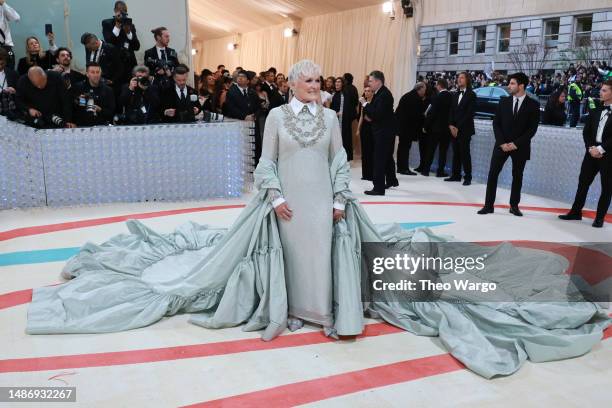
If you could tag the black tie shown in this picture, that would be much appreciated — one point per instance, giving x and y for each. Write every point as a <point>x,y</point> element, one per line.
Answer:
<point>244,92</point>
<point>163,55</point>
<point>182,95</point>
<point>607,108</point>
<point>516,102</point>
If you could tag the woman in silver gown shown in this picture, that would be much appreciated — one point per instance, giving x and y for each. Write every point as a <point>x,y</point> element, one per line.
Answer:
<point>294,255</point>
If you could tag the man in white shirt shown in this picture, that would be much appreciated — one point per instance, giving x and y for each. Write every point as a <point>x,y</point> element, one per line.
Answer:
<point>597,134</point>
<point>7,14</point>
<point>121,32</point>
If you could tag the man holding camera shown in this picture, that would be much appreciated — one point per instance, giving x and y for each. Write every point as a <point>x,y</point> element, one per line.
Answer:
<point>180,102</point>
<point>63,57</point>
<point>139,101</point>
<point>121,32</point>
<point>94,101</point>
<point>161,59</point>
<point>43,99</point>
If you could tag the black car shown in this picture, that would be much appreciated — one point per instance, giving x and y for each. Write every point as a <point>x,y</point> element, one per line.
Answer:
<point>487,99</point>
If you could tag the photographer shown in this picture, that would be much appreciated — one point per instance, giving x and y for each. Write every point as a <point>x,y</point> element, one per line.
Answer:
<point>180,102</point>
<point>161,59</point>
<point>7,13</point>
<point>121,32</point>
<point>63,67</point>
<point>94,101</point>
<point>139,101</point>
<point>8,82</point>
<point>36,56</point>
<point>107,56</point>
<point>43,99</point>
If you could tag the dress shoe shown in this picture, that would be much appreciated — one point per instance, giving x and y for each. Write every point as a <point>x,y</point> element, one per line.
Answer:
<point>467,182</point>
<point>453,178</point>
<point>407,172</point>
<point>486,210</point>
<point>425,173</point>
<point>598,223</point>
<point>441,175</point>
<point>374,192</point>
<point>418,169</point>
<point>394,184</point>
<point>572,215</point>
<point>516,211</point>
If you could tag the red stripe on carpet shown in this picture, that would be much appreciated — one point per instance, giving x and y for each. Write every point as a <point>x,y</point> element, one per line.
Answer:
<point>319,389</point>
<point>13,299</point>
<point>304,392</point>
<point>44,229</point>
<point>179,352</point>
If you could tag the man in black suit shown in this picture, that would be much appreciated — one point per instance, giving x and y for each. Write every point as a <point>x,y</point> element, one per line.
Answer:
<point>121,32</point>
<point>436,125</point>
<point>461,126</point>
<point>597,134</point>
<point>107,56</point>
<point>241,101</point>
<point>179,101</point>
<point>94,101</point>
<point>380,112</point>
<point>515,123</point>
<point>161,59</point>
<point>270,88</point>
<point>139,101</point>
<point>409,115</point>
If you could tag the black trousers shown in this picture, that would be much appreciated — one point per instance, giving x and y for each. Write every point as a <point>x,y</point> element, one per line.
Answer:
<point>423,149</point>
<point>574,113</point>
<point>367,151</point>
<point>384,165</point>
<point>498,159</point>
<point>347,138</point>
<point>403,151</point>
<point>441,139</point>
<point>462,158</point>
<point>589,169</point>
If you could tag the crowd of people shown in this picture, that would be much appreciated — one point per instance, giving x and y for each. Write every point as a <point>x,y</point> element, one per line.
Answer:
<point>568,95</point>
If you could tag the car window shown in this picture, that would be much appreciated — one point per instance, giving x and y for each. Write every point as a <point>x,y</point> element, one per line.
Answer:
<point>482,92</point>
<point>498,93</point>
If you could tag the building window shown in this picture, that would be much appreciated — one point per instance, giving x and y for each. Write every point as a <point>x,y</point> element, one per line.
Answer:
<point>551,33</point>
<point>480,40</point>
<point>584,25</point>
<point>524,36</point>
<point>453,42</point>
<point>503,38</point>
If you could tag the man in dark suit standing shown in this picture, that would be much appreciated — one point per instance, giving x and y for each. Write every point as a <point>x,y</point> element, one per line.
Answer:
<point>107,56</point>
<point>515,123</point>
<point>161,59</point>
<point>436,126</point>
<point>241,101</point>
<point>461,126</point>
<point>380,112</point>
<point>409,116</point>
<point>270,88</point>
<point>121,32</point>
<point>180,102</point>
<point>597,134</point>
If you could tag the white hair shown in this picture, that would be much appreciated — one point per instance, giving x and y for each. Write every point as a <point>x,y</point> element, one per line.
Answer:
<point>302,69</point>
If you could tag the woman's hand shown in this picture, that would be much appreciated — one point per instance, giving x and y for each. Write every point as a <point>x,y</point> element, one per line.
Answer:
<point>283,212</point>
<point>338,215</point>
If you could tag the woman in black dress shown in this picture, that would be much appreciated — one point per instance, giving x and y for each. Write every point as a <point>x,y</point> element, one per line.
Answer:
<point>36,56</point>
<point>554,112</point>
<point>342,104</point>
<point>364,132</point>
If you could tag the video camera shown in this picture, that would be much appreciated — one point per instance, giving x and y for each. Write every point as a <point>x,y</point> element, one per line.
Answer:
<point>161,64</point>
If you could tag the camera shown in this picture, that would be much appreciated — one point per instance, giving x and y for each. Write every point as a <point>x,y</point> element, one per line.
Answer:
<point>144,82</point>
<point>124,19</point>
<point>212,117</point>
<point>161,64</point>
<point>44,122</point>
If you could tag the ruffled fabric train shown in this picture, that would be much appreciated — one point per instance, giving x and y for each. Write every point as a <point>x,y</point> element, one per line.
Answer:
<point>234,277</point>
